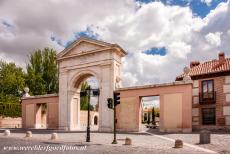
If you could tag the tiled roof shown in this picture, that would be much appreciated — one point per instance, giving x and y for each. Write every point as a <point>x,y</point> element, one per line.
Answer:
<point>209,67</point>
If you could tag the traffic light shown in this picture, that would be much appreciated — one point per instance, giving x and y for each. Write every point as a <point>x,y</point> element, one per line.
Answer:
<point>110,103</point>
<point>83,93</point>
<point>116,97</point>
<point>96,92</point>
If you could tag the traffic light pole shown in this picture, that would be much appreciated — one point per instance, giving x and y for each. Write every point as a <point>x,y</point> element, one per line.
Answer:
<point>112,103</point>
<point>114,127</point>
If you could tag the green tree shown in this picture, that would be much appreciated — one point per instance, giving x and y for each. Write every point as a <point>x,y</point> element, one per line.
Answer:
<point>42,72</point>
<point>12,79</point>
<point>11,83</point>
<point>85,99</point>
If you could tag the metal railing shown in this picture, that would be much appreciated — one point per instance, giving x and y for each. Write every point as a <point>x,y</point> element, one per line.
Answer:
<point>210,98</point>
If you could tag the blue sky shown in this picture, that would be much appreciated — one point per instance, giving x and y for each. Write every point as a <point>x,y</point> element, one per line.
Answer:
<point>156,51</point>
<point>198,7</point>
<point>160,39</point>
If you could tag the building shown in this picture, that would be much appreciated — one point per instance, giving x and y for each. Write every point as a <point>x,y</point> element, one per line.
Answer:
<point>211,92</point>
<point>147,115</point>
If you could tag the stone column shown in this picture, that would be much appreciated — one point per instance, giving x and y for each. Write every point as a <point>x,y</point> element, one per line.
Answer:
<point>63,100</point>
<point>106,91</point>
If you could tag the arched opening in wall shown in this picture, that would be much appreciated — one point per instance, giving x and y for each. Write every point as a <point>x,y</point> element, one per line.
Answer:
<point>150,113</point>
<point>95,119</point>
<point>90,84</point>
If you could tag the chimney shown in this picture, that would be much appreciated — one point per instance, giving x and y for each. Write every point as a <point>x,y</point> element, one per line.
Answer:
<point>194,63</point>
<point>221,58</point>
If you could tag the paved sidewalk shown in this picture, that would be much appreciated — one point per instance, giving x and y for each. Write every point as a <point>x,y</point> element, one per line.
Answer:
<point>154,142</point>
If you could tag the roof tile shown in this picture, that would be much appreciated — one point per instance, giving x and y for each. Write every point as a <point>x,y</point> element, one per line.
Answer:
<point>209,67</point>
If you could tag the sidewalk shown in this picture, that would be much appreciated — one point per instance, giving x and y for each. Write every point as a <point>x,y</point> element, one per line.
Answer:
<point>138,140</point>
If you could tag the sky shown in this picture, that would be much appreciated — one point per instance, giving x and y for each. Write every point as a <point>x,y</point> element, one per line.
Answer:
<point>160,36</point>
<point>150,102</point>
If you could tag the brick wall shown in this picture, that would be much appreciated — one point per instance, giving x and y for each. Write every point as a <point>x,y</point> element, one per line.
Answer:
<point>220,101</point>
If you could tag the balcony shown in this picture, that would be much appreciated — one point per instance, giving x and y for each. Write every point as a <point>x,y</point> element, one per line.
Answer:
<point>207,98</point>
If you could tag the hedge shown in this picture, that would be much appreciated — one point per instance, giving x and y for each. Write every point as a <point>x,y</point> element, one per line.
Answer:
<point>10,106</point>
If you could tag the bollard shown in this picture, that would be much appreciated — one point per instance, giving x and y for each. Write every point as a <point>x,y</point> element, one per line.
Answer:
<point>54,136</point>
<point>205,137</point>
<point>28,134</point>
<point>7,132</point>
<point>128,141</point>
<point>178,144</point>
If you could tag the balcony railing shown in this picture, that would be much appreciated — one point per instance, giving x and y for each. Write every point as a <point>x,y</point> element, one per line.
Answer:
<point>207,98</point>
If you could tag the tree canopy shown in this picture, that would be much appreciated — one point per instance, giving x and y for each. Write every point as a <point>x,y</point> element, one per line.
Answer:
<point>12,79</point>
<point>41,78</point>
<point>85,99</point>
<point>12,82</point>
<point>42,72</point>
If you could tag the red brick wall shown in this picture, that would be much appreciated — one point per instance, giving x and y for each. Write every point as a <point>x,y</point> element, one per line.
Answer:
<point>220,100</point>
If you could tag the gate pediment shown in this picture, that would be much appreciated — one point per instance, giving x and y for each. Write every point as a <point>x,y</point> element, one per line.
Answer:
<point>86,45</point>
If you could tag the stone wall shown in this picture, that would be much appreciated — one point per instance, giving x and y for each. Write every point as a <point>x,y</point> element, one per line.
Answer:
<point>32,115</point>
<point>84,117</point>
<point>175,106</point>
<point>8,122</point>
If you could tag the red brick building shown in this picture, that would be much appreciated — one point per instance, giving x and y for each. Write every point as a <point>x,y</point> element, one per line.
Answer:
<point>211,92</point>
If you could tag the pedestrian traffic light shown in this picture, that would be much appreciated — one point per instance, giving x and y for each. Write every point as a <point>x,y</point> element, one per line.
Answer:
<point>116,97</point>
<point>110,103</point>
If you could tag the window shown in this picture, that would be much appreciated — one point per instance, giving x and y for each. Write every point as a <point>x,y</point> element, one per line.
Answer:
<point>207,89</point>
<point>208,116</point>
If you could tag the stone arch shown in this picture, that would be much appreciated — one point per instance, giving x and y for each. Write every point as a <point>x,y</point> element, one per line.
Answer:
<point>79,77</point>
<point>74,94</point>
<point>83,58</point>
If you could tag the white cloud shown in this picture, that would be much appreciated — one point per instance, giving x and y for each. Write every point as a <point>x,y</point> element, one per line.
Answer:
<point>207,2</point>
<point>135,26</point>
<point>214,38</point>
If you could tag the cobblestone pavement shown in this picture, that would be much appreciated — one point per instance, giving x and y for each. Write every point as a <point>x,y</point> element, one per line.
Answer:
<point>101,142</point>
<point>6,143</point>
<point>219,142</point>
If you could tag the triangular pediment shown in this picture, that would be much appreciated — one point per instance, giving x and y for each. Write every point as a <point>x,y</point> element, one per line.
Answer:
<point>83,45</point>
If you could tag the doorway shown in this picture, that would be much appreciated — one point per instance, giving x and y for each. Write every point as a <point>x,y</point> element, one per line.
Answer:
<point>150,113</point>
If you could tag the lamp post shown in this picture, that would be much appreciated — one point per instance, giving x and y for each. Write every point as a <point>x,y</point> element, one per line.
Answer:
<point>88,93</point>
<point>88,126</point>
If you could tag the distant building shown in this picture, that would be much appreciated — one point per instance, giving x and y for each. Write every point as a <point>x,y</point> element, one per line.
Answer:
<point>211,92</point>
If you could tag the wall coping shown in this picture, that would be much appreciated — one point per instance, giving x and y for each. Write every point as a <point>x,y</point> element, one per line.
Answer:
<point>40,96</point>
<point>176,83</point>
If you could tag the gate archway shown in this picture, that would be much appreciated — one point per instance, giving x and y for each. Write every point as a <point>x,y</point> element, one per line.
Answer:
<point>82,59</point>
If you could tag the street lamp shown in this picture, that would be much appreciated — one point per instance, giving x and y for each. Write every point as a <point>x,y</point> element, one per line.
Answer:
<point>89,92</point>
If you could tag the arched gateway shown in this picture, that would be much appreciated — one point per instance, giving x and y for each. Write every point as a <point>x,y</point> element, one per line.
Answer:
<point>87,57</point>
<point>82,59</point>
